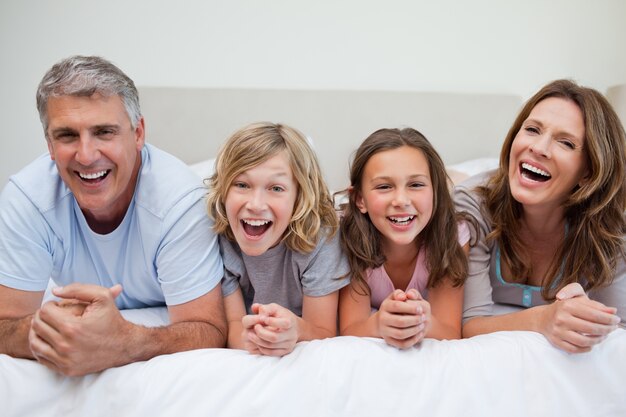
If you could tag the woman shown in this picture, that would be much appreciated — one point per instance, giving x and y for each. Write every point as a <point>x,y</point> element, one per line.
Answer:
<point>550,244</point>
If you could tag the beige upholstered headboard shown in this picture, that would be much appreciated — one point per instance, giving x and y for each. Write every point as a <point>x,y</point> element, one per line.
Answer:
<point>192,123</point>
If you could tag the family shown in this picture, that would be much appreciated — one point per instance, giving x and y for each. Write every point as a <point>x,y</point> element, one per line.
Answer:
<point>260,258</point>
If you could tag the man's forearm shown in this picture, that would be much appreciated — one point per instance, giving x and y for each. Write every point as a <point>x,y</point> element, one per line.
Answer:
<point>14,337</point>
<point>144,343</point>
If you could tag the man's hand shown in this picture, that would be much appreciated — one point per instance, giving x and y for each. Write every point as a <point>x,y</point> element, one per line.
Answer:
<point>74,342</point>
<point>575,323</point>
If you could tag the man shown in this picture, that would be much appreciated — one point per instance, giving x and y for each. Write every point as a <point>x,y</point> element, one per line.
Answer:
<point>118,224</point>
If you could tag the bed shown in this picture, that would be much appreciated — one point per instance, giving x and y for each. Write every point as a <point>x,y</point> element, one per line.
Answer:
<point>505,373</point>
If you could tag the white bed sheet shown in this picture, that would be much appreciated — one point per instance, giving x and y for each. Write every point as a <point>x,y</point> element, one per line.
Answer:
<point>501,374</point>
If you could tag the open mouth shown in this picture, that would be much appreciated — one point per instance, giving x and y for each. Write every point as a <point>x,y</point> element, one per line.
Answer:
<point>533,173</point>
<point>93,177</point>
<point>401,221</point>
<point>255,227</point>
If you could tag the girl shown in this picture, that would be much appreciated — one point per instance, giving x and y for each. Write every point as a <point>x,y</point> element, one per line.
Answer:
<point>399,231</point>
<point>283,262</point>
<point>551,223</point>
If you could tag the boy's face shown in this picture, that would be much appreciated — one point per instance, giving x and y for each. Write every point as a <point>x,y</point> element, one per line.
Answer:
<point>260,203</point>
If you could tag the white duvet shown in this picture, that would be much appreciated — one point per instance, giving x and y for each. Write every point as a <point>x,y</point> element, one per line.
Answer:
<point>501,374</point>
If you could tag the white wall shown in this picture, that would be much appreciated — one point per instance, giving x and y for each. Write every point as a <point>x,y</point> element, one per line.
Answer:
<point>467,46</point>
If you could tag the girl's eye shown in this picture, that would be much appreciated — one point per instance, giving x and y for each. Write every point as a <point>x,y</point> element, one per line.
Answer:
<point>277,189</point>
<point>416,185</point>
<point>240,184</point>
<point>383,187</point>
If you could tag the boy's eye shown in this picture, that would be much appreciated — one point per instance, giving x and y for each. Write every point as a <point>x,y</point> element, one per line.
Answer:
<point>240,184</point>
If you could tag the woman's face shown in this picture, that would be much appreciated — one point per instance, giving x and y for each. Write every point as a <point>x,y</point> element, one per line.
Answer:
<point>548,156</point>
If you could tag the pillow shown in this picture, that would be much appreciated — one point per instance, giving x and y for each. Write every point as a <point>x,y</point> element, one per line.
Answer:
<point>204,169</point>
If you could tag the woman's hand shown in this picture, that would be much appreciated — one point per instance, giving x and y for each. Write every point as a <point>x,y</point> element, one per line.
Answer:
<point>575,323</point>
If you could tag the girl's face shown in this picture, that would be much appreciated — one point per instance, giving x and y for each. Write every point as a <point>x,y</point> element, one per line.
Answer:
<point>547,159</point>
<point>397,194</point>
<point>259,204</point>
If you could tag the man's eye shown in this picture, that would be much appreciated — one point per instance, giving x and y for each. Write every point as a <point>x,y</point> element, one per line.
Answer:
<point>65,136</point>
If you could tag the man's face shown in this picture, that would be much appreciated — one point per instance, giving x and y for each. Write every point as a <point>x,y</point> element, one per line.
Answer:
<point>97,153</point>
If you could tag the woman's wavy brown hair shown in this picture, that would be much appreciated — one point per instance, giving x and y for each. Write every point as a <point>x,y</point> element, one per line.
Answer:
<point>594,211</point>
<point>254,144</point>
<point>362,241</point>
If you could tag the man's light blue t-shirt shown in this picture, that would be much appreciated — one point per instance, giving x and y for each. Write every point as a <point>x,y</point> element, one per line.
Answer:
<point>163,252</point>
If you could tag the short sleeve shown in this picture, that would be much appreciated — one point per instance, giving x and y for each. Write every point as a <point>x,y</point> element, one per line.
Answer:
<point>189,264</point>
<point>233,266</point>
<point>478,299</point>
<point>463,233</point>
<point>328,269</point>
<point>26,242</point>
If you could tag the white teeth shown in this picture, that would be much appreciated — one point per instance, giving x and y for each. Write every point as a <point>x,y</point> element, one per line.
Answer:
<point>401,219</point>
<point>535,170</point>
<point>256,222</point>
<point>92,176</point>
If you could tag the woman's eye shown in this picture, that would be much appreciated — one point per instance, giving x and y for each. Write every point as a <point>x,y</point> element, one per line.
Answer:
<point>531,129</point>
<point>567,143</point>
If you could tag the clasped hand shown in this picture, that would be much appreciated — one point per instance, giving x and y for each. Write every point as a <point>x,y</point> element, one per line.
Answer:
<point>81,333</point>
<point>404,318</point>
<point>576,323</point>
<point>270,330</point>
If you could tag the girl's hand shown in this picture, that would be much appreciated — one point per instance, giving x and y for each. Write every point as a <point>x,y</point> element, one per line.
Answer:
<point>423,309</point>
<point>400,321</point>
<point>575,323</point>
<point>274,331</point>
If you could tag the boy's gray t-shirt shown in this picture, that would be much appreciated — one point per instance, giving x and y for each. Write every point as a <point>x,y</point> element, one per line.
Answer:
<point>284,276</point>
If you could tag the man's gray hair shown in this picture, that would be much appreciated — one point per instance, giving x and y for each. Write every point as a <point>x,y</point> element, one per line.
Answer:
<point>85,76</point>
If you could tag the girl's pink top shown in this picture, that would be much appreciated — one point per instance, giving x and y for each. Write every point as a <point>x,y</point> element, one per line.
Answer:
<point>381,285</point>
